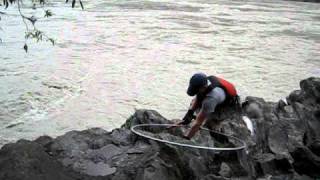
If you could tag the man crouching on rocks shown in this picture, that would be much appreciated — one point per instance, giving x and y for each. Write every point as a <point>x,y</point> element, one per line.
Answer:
<point>211,93</point>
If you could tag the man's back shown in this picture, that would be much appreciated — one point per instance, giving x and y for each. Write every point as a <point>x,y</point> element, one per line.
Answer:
<point>215,97</point>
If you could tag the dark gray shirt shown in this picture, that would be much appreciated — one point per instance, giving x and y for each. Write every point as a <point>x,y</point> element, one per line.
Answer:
<point>215,97</point>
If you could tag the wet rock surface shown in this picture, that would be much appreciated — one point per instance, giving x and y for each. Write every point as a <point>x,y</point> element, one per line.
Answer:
<point>285,145</point>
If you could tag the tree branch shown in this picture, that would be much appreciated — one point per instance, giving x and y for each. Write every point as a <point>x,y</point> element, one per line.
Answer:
<point>32,32</point>
<point>22,15</point>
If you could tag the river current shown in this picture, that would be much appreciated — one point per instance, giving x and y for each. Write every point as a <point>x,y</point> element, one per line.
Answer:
<point>116,56</point>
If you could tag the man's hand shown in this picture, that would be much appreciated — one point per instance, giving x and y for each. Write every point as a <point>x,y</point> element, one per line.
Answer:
<point>178,124</point>
<point>188,117</point>
<point>201,117</point>
<point>185,121</point>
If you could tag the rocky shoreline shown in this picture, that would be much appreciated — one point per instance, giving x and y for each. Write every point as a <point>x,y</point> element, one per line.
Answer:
<point>285,145</point>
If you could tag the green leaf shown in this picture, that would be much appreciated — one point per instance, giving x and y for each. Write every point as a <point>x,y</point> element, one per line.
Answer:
<point>32,19</point>
<point>25,47</point>
<point>81,5</point>
<point>28,34</point>
<point>6,4</point>
<point>48,13</point>
<point>73,3</point>
<point>52,41</point>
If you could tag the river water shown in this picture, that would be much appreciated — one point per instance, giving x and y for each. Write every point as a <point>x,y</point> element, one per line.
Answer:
<point>120,55</point>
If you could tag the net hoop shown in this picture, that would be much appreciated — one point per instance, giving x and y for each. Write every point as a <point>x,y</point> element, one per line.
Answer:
<point>242,147</point>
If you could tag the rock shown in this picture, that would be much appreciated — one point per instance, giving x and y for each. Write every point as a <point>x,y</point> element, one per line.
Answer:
<point>214,177</point>
<point>225,170</point>
<point>96,169</point>
<point>145,117</point>
<point>44,140</point>
<point>277,140</point>
<point>295,96</point>
<point>273,164</point>
<point>26,160</point>
<point>285,145</point>
<point>290,177</point>
<point>305,162</point>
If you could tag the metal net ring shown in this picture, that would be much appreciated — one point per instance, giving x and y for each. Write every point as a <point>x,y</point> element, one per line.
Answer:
<point>241,147</point>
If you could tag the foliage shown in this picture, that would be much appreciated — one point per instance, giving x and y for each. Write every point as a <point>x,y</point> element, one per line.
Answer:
<point>32,32</point>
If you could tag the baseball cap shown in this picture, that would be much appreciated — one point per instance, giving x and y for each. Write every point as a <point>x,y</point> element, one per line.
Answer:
<point>197,81</point>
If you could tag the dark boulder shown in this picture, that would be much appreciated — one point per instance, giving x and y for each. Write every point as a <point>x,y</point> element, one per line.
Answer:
<point>26,160</point>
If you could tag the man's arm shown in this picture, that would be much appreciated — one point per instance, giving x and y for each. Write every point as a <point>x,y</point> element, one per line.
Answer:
<point>189,116</point>
<point>199,121</point>
<point>208,106</point>
<point>193,104</point>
